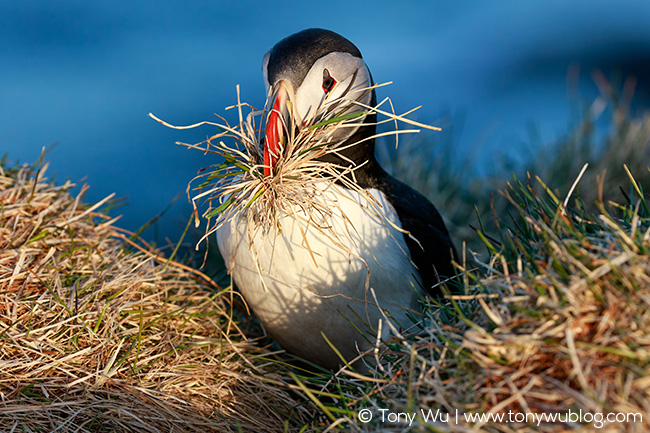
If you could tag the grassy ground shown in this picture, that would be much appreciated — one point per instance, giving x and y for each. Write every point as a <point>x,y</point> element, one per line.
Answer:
<point>557,321</point>
<point>98,332</point>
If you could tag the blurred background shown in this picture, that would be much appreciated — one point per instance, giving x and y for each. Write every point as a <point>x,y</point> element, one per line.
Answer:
<point>501,78</point>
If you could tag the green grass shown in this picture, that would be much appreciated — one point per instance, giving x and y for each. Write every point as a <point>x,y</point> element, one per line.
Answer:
<point>556,317</point>
<point>558,321</point>
<point>104,334</point>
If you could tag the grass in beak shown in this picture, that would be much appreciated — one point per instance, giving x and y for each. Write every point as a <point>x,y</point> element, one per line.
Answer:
<point>237,187</point>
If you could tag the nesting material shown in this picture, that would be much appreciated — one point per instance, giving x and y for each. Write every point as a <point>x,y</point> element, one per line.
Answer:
<point>98,333</point>
<point>299,181</point>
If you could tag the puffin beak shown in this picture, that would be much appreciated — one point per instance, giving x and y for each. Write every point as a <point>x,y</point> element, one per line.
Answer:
<point>279,119</point>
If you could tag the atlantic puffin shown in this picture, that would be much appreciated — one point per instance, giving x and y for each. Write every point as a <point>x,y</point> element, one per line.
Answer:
<point>316,300</point>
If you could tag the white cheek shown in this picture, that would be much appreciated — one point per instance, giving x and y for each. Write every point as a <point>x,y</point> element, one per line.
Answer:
<point>310,94</point>
<point>357,92</point>
<point>308,97</point>
<point>342,67</point>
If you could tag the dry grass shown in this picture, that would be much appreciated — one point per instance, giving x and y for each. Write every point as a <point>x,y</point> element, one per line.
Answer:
<point>96,336</point>
<point>300,181</point>
<point>98,333</point>
<point>557,321</point>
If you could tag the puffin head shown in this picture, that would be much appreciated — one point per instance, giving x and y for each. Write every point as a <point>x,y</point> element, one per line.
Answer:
<point>304,73</point>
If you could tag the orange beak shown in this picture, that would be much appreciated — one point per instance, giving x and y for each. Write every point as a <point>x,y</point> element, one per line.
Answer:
<point>276,128</point>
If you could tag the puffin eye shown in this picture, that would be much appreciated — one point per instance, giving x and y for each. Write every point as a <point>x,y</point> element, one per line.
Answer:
<point>328,81</point>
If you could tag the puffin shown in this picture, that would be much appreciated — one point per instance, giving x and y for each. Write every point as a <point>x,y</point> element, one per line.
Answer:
<point>326,296</point>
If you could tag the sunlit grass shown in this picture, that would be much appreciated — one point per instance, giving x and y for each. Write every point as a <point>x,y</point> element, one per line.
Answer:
<point>556,320</point>
<point>300,183</point>
<point>98,332</point>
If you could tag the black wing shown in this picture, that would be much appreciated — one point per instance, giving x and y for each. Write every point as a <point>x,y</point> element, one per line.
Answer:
<point>432,250</point>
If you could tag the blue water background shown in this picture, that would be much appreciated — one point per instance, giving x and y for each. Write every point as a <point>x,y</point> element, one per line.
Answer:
<point>84,75</point>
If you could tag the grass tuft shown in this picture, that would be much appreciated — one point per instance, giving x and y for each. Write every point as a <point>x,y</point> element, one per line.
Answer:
<point>300,181</point>
<point>557,321</point>
<point>100,333</point>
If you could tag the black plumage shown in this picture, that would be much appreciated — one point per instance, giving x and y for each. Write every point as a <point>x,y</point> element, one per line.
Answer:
<point>324,279</point>
<point>432,250</point>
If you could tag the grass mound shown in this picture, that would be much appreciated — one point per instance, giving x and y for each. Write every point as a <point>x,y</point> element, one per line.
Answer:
<point>554,334</point>
<point>95,336</point>
<point>99,333</point>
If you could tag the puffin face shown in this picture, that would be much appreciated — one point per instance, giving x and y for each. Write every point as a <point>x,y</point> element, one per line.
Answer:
<point>305,74</point>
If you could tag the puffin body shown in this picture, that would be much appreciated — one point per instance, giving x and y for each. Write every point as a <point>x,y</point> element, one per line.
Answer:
<point>310,282</point>
<point>299,297</point>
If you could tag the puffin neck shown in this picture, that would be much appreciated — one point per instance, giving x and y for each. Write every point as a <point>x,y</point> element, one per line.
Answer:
<point>357,154</point>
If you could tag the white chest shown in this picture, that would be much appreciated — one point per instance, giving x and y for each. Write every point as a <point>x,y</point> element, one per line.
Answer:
<point>313,276</point>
